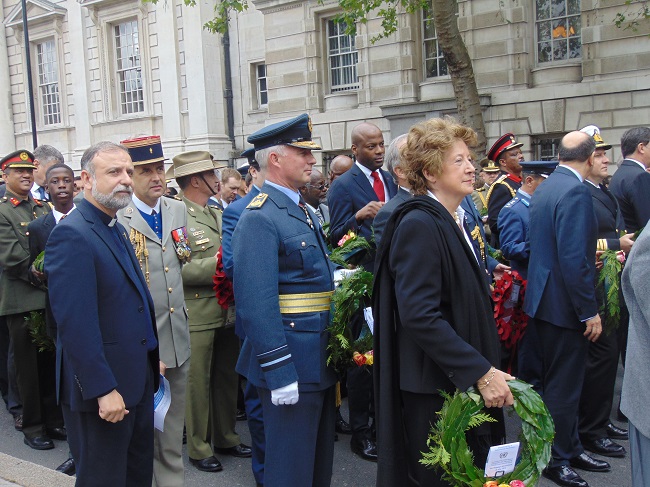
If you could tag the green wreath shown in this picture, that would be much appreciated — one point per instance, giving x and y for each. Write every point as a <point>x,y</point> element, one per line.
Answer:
<point>464,410</point>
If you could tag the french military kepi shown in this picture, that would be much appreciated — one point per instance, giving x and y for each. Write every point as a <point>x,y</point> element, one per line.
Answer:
<point>295,132</point>
<point>542,168</point>
<point>21,159</point>
<point>144,150</point>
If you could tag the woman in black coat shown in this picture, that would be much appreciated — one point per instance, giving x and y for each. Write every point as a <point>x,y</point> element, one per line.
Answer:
<point>434,326</point>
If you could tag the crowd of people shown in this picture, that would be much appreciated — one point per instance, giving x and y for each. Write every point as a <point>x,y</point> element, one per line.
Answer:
<point>220,293</point>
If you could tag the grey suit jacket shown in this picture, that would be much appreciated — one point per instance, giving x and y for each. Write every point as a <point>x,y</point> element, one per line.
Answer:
<point>165,281</point>
<point>382,216</point>
<point>636,381</point>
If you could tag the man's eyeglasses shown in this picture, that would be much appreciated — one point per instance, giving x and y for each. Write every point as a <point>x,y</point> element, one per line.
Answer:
<point>320,186</point>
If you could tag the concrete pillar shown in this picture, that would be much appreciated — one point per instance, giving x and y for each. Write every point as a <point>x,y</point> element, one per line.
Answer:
<point>7,140</point>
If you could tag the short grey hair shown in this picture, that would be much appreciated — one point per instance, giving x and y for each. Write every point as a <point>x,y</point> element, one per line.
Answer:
<point>392,157</point>
<point>262,155</point>
<point>92,151</point>
<point>46,154</point>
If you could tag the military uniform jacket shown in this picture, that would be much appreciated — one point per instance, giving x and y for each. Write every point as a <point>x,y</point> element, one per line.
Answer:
<point>275,253</point>
<point>502,191</point>
<point>204,232</point>
<point>164,277</point>
<point>17,295</point>
<point>513,232</point>
<point>609,217</point>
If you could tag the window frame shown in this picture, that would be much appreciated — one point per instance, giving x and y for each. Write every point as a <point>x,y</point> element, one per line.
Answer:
<point>427,16</point>
<point>350,49</point>
<point>41,114</point>
<point>539,141</point>
<point>123,104</point>
<point>548,32</point>
<point>259,92</point>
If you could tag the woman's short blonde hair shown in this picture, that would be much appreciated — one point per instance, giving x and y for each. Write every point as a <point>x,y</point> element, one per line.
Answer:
<point>426,146</point>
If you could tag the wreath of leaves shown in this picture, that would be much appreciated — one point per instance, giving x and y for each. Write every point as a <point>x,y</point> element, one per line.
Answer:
<point>448,448</point>
<point>340,255</point>
<point>38,332</point>
<point>353,294</point>
<point>609,279</point>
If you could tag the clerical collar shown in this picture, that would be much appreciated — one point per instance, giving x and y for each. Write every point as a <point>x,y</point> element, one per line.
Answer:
<point>294,195</point>
<point>143,207</point>
<point>58,215</point>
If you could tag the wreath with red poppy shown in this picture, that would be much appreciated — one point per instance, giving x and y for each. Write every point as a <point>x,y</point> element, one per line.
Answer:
<point>508,296</point>
<point>222,285</point>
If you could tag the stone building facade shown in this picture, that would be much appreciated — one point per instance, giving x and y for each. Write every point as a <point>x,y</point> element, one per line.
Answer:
<point>112,69</point>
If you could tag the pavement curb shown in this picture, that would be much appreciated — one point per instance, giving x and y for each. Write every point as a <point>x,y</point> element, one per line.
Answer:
<point>28,474</point>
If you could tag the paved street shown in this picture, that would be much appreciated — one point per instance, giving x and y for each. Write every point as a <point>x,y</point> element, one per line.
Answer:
<point>349,470</point>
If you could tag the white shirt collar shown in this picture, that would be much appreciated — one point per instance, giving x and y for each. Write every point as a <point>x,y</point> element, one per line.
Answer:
<point>627,158</point>
<point>58,215</point>
<point>143,207</point>
<point>592,183</point>
<point>573,171</point>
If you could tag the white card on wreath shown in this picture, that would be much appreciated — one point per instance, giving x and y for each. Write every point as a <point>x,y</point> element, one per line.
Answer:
<point>367,314</point>
<point>501,460</point>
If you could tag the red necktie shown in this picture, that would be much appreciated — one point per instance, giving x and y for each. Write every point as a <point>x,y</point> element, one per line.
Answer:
<point>378,186</point>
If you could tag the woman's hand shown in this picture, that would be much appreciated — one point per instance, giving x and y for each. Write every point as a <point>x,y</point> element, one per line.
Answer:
<point>494,389</point>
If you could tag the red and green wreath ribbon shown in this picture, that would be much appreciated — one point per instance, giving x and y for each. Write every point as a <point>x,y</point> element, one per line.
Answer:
<point>508,296</point>
<point>222,285</point>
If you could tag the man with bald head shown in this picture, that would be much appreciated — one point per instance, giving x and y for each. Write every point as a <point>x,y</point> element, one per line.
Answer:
<point>339,165</point>
<point>561,299</point>
<point>354,199</point>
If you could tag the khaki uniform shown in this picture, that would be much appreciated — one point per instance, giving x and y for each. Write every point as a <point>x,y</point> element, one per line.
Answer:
<point>162,270</point>
<point>18,297</point>
<point>213,382</point>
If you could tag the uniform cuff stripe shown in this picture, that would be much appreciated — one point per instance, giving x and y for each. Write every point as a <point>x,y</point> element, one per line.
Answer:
<point>277,364</point>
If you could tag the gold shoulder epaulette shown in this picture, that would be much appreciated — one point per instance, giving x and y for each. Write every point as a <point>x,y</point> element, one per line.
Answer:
<point>258,201</point>
<point>500,180</point>
<point>215,207</point>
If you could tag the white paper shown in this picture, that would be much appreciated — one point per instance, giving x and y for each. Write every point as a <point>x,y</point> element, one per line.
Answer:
<point>161,401</point>
<point>367,314</point>
<point>501,460</point>
<point>340,274</point>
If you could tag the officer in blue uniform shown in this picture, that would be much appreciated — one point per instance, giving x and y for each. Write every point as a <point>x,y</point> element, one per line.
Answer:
<point>513,229</point>
<point>283,283</point>
<point>514,216</point>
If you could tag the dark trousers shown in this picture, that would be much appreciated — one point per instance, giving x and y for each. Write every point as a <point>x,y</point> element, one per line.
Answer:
<point>529,357</point>
<point>8,383</point>
<point>112,454</point>
<point>564,354</point>
<point>299,439</point>
<point>598,388</point>
<point>255,417</point>
<point>360,391</point>
<point>35,374</point>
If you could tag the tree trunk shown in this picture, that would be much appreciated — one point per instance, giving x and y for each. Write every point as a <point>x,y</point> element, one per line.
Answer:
<point>460,68</point>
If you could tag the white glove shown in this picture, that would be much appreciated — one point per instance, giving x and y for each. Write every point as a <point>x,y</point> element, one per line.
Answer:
<point>287,395</point>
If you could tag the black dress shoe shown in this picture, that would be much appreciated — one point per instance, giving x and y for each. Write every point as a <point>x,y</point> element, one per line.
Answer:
<point>616,433</point>
<point>364,448</point>
<point>343,427</point>
<point>18,422</point>
<point>39,443</point>
<point>590,464</point>
<point>57,433</point>
<point>605,447</point>
<point>239,451</point>
<point>210,464</point>
<point>68,467</point>
<point>241,415</point>
<point>566,476</point>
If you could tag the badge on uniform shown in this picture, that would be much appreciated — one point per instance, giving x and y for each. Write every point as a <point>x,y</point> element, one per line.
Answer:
<point>258,201</point>
<point>182,244</point>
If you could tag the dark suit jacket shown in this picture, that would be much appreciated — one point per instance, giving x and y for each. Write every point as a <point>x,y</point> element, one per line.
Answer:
<point>561,268</point>
<point>608,215</point>
<point>386,211</point>
<point>39,231</point>
<point>347,195</point>
<point>104,312</point>
<point>631,186</point>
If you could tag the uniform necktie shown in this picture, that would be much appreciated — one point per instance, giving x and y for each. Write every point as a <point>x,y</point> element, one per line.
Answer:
<point>378,186</point>
<point>303,207</point>
<point>42,194</point>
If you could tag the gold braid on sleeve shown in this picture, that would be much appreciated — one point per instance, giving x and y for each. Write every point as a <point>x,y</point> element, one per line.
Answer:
<point>139,242</point>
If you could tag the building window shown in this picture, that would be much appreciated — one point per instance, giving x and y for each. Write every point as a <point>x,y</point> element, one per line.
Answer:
<point>127,63</point>
<point>558,30</point>
<point>48,82</point>
<point>262,90</point>
<point>343,58</point>
<point>434,62</point>
<point>546,149</point>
